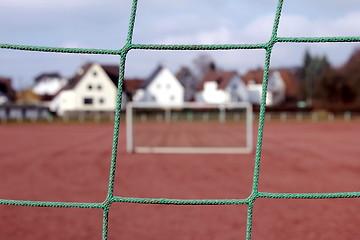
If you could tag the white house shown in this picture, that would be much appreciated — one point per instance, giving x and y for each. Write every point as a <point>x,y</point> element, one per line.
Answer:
<point>219,87</point>
<point>255,93</point>
<point>48,84</point>
<point>162,87</point>
<point>276,90</point>
<point>276,86</point>
<point>93,88</point>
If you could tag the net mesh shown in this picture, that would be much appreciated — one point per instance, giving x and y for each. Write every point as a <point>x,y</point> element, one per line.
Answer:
<point>255,194</point>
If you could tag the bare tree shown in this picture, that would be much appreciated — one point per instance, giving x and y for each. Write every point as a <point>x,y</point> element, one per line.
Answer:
<point>203,64</point>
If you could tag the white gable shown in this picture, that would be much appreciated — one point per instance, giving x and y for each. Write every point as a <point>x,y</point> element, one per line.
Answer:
<point>94,92</point>
<point>164,89</point>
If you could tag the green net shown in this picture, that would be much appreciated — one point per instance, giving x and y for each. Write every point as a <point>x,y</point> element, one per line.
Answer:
<point>255,194</point>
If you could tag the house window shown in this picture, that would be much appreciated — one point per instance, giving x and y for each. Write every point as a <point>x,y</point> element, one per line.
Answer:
<point>101,100</point>
<point>88,101</point>
<point>172,98</point>
<point>94,73</point>
<point>99,87</point>
<point>168,86</point>
<point>89,87</point>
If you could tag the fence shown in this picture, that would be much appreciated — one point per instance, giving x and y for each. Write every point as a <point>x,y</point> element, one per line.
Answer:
<point>21,113</point>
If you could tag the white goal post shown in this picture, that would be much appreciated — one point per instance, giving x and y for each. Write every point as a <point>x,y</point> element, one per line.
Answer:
<point>167,117</point>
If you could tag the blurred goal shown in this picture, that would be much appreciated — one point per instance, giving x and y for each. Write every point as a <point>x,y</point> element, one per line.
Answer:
<point>189,128</point>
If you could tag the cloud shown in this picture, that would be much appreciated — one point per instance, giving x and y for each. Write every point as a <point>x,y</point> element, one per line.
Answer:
<point>73,44</point>
<point>295,25</point>
<point>300,25</point>
<point>216,36</point>
<point>348,25</point>
<point>320,8</point>
<point>258,31</point>
<point>57,5</point>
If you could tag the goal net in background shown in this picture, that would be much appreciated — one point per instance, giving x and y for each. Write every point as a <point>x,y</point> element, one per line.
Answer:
<point>189,128</point>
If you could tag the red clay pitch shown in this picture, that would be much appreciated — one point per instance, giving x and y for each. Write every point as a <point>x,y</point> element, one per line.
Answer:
<point>71,163</point>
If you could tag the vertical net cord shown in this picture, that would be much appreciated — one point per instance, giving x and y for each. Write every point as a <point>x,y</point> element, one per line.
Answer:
<point>105,226</point>
<point>255,187</point>
<point>132,23</point>
<point>109,199</point>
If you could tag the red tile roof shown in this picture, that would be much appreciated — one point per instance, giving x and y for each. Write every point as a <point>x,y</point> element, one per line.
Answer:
<point>290,80</point>
<point>253,75</point>
<point>222,79</point>
<point>291,83</point>
<point>6,88</point>
<point>111,70</point>
<point>79,74</point>
<point>132,84</point>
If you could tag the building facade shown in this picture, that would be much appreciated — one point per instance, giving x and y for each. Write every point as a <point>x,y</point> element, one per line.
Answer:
<point>93,88</point>
<point>162,88</point>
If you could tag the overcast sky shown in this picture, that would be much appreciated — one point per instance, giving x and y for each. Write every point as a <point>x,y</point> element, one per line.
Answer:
<point>104,23</point>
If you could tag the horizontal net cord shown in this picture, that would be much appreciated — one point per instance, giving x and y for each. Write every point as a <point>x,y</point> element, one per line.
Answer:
<point>167,201</point>
<point>181,201</point>
<point>317,39</point>
<point>198,47</point>
<point>50,204</point>
<point>60,49</point>
<point>128,47</point>
<point>308,195</point>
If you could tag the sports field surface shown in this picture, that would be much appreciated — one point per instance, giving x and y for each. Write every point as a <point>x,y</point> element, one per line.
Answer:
<point>70,162</point>
<point>190,134</point>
